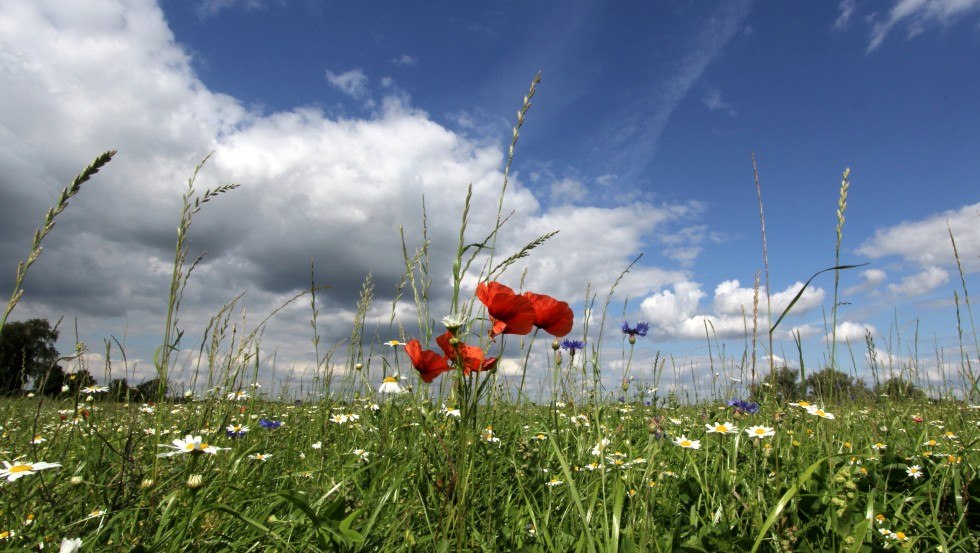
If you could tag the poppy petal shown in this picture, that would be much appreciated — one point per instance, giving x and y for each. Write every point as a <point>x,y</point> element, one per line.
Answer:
<point>553,316</point>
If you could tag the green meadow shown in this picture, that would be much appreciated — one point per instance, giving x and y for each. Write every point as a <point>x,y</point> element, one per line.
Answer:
<point>416,442</point>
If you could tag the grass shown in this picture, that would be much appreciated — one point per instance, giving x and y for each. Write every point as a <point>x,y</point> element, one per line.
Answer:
<point>467,464</point>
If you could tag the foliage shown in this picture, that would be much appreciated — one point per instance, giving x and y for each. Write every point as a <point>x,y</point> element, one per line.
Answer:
<point>898,387</point>
<point>834,386</point>
<point>782,384</point>
<point>26,352</point>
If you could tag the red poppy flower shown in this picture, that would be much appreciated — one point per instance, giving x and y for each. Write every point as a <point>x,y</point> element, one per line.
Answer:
<point>510,313</point>
<point>429,363</point>
<point>470,357</point>
<point>553,316</point>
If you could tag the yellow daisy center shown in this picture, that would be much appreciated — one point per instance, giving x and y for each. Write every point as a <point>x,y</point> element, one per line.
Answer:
<point>390,379</point>
<point>20,468</point>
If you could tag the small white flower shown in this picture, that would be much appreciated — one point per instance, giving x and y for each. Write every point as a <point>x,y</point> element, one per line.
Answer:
<point>237,396</point>
<point>95,389</point>
<point>760,432</point>
<point>190,444</point>
<point>915,471</point>
<point>687,443</point>
<point>721,428</point>
<point>390,385</point>
<point>317,445</point>
<point>20,469</point>
<point>260,456</point>
<point>450,411</point>
<point>70,545</point>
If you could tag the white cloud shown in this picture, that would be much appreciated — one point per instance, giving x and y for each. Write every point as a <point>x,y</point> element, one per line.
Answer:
<point>846,8</point>
<point>81,79</point>
<point>848,331</point>
<point>871,279</point>
<point>921,283</point>
<point>712,99</point>
<point>405,59</point>
<point>918,16</point>
<point>567,191</point>
<point>927,243</point>
<point>676,313</point>
<point>207,8</point>
<point>352,83</point>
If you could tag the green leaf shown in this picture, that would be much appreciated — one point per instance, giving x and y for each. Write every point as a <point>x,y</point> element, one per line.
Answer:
<point>796,298</point>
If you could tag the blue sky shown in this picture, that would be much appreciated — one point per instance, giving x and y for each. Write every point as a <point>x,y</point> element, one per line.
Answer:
<point>337,119</point>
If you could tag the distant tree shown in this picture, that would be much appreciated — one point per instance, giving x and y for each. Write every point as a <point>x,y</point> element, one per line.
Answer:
<point>78,380</point>
<point>119,390</point>
<point>51,382</point>
<point>781,384</point>
<point>836,386</point>
<point>149,390</point>
<point>26,352</point>
<point>898,388</point>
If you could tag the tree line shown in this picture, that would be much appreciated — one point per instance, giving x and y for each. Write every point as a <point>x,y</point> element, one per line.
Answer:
<point>29,362</point>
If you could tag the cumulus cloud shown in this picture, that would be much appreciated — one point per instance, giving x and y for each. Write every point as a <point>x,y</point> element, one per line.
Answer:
<point>677,314</point>
<point>926,242</point>
<point>352,83</point>
<point>82,79</point>
<point>871,279</point>
<point>848,331</point>
<point>918,16</point>
<point>921,283</point>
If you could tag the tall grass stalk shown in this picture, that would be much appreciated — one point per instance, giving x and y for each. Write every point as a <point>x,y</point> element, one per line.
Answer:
<point>49,221</point>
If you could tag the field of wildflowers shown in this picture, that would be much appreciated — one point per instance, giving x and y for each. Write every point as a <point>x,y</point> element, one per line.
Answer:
<point>436,454</point>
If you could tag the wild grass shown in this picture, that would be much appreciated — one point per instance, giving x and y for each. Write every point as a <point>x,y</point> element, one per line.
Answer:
<point>467,463</point>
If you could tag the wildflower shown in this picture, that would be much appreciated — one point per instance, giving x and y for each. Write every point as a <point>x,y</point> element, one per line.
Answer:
<point>94,389</point>
<point>684,442</point>
<point>190,444</point>
<point>235,430</point>
<point>917,418</point>
<point>341,418</point>
<point>571,346</point>
<point>803,404</point>
<point>270,424</point>
<point>450,411</point>
<point>760,432</point>
<point>931,443</point>
<point>553,482</point>
<point>7,534</point>
<point>950,436</point>
<point>553,316</point>
<point>237,396</point>
<point>96,513</point>
<point>394,343</point>
<point>20,469</point>
<point>362,455</point>
<point>195,481</point>
<point>640,329</point>
<point>722,428</point>
<point>471,358</point>
<point>70,545</point>
<point>509,313</point>
<point>38,440</point>
<point>880,518</point>
<point>260,456</point>
<point>76,480</point>
<point>879,446</point>
<point>744,407</point>
<point>915,471</point>
<point>488,436</point>
<point>599,447</point>
<point>814,410</point>
<point>390,385</point>
<point>429,363</point>
<point>454,321</point>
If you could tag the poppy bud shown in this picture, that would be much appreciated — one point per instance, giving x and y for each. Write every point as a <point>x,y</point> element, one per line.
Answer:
<point>555,344</point>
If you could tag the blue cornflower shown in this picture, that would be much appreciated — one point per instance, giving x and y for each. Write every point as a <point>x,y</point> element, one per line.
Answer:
<point>571,346</point>
<point>235,431</point>
<point>743,407</point>
<point>270,424</point>
<point>640,329</point>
